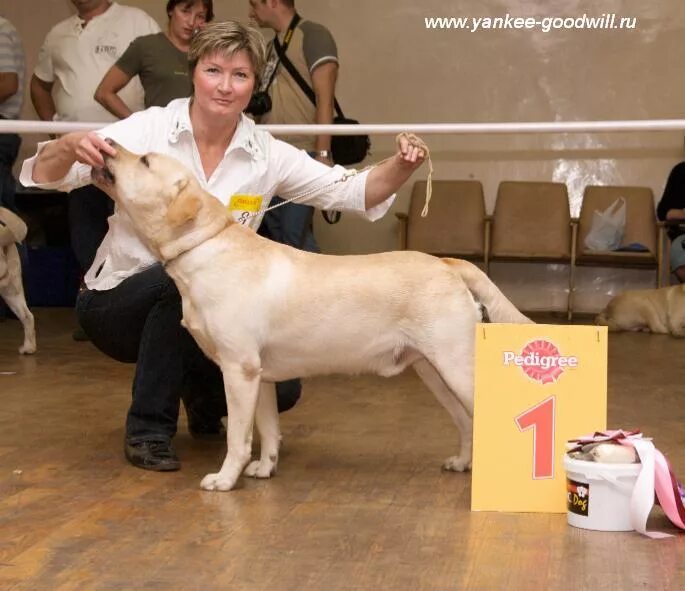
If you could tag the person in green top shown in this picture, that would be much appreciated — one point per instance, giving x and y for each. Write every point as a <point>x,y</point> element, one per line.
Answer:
<point>160,60</point>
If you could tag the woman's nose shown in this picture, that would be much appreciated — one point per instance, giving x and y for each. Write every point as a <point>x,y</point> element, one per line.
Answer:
<point>225,84</point>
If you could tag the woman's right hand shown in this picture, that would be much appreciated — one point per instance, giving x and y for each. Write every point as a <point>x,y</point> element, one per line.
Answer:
<point>88,147</point>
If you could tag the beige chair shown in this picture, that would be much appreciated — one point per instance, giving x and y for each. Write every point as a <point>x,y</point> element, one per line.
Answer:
<point>641,228</point>
<point>455,225</point>
<point>532,223</point>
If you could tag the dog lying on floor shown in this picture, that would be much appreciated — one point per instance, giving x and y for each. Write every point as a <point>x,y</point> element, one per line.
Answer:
<point>266,312</point>
<point>13,230</point>
<point>660,311</point>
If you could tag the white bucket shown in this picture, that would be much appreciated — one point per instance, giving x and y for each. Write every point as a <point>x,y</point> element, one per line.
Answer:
<point>598,494</point>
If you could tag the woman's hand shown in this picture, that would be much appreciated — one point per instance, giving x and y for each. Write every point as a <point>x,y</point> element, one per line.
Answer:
<point>411,150</point>
<point>388,176</point>
<point>88,148</point>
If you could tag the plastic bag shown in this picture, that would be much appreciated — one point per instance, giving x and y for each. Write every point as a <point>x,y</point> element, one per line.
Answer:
<point>608,226</point>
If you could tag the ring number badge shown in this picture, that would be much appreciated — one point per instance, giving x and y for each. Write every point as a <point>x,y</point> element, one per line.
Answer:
<point>242,207</point>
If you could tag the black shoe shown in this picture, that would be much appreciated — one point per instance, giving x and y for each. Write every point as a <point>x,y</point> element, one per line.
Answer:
<point>157,455</point>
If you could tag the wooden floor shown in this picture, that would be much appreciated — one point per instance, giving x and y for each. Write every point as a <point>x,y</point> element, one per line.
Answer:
<point>359,501</point>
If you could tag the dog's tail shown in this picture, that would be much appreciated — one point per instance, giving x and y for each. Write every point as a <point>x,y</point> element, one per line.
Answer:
<point>498,307</point>
<point>12,227</point>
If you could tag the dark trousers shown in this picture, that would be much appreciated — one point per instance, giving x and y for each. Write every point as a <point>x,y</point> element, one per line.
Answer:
<point>289,224</point>
<point>89,208</point>
<point>9,148</point>
<point>139,321</point>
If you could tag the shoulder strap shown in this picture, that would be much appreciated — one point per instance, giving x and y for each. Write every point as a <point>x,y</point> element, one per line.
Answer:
<point>301,82</point>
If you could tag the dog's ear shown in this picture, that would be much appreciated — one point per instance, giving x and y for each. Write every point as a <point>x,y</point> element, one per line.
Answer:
<point>184,207</point>
<point>6,237</point>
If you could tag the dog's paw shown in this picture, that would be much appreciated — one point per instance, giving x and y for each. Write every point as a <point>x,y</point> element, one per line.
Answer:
<point>27,349</point>
<point>261,468</point>
<point>217,481</point>
<point>457,464</point>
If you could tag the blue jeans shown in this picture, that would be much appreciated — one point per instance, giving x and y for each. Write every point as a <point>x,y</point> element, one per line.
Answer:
<point>139,321</point>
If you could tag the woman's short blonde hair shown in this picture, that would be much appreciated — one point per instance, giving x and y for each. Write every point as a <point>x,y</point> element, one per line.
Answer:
<point>227,38</point>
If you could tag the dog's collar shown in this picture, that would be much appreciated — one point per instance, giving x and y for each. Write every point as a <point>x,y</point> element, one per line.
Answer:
<point>181,249</point>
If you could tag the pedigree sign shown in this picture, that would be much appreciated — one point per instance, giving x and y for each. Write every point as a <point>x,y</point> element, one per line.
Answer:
<point>536,387</point>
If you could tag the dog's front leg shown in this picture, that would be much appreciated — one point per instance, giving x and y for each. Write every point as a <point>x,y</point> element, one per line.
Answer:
<point>242,389</point>
<point>269,433</point>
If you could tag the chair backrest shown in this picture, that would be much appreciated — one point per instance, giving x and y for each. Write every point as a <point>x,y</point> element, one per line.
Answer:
<point>455,224</point>
<point>531,220</point>
<point>641,225</point>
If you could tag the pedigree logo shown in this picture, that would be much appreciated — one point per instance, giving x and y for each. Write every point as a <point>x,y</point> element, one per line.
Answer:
<point>541,361</point>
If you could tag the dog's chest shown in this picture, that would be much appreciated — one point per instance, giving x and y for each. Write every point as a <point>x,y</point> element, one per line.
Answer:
<point>196,326</point>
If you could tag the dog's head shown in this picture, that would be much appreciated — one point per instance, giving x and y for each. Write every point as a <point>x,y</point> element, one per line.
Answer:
<point>162,198</point>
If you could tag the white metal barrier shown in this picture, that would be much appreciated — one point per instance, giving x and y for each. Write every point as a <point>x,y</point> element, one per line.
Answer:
<point>58,127</point>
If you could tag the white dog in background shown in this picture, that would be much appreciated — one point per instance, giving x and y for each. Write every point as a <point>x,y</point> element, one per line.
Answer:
<point>266,312</point>
<point>13,230</point>
<point>660,311</point>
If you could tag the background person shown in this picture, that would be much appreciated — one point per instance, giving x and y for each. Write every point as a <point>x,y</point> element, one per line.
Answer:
<point>159,60</point>
<point>671,207</point>
<point>76,54</point>
<point>311,49</point>
<point>12,71</point>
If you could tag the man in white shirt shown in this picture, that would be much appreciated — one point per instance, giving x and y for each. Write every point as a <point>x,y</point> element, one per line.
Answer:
<point>75,55</point>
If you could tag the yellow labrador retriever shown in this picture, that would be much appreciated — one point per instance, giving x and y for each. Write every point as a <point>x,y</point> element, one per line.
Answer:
<point>265,312</point>
<point>661,311</point>
<point>13,230</point>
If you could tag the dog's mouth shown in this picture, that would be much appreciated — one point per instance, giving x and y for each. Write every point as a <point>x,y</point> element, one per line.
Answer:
<point>103,176</point>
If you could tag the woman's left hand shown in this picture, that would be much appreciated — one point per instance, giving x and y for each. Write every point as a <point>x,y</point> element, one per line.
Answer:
<point>411,150</point>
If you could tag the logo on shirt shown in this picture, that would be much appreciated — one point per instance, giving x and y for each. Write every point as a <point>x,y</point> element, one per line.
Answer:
<point>108,50</point>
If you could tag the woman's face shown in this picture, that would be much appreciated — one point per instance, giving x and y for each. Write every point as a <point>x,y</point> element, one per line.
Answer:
<point>185,17</point>
<point>223,84</point>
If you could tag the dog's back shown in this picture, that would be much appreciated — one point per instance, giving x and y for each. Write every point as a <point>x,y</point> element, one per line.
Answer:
<point>642,310</point>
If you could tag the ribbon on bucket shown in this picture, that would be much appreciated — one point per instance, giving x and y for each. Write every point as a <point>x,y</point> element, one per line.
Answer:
<point>656,475</point>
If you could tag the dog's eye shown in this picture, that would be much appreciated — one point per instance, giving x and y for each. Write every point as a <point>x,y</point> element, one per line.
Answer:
<point>145,161</point>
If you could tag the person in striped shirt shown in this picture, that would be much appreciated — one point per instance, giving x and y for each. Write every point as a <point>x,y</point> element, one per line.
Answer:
<point>11,99</point>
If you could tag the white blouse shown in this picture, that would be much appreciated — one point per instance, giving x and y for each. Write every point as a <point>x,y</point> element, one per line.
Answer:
<point>255,167</point>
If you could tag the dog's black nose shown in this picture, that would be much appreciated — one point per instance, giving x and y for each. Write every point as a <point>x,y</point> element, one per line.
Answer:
<point>109,140</point>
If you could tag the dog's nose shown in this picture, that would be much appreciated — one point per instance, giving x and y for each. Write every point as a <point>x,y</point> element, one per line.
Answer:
<point>110,141</point>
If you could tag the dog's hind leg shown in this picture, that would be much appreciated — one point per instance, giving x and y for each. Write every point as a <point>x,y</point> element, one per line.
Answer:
<point>241,381</point>
<point>269,433</point>
<point>14,297</point>
<point>451,401</point>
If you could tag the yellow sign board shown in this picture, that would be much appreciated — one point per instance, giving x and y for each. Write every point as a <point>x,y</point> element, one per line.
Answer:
<point>536,387</point>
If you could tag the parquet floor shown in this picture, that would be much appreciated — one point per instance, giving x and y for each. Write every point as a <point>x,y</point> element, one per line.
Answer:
<point>359,501</point>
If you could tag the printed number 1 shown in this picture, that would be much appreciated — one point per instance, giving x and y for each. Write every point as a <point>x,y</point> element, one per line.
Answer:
<point>541,419</point>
